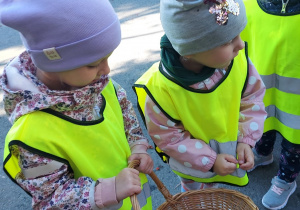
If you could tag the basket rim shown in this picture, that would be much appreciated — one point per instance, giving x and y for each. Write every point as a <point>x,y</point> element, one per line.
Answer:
<point>209,191</point>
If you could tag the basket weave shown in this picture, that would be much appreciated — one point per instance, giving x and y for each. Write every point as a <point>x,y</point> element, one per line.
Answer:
<point>219,198</point>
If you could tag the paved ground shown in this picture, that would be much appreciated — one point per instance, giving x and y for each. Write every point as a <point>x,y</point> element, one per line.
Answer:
<point>141,32</point>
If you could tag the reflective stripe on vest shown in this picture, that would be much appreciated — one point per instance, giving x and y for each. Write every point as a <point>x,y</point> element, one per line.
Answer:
<point>218,112</point>
<point>94,149</point>
<point>276,60</point>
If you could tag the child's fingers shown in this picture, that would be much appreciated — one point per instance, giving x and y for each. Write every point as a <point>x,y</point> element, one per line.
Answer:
<point>146,167</point>
<point>241,158</point>
<point>246,166</point>
<point>249,156</point>
<point>146,163</point>
<point>248,163</point>
<point>137,156</point>
<point>127,183</point>
<point>231,159</point>
<point>132,157</point>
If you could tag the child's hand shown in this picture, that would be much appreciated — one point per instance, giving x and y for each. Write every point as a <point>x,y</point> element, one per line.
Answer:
<point>225,164</point>
<point>146,163</point>
<point>128,183</point>
<point>245,156</point>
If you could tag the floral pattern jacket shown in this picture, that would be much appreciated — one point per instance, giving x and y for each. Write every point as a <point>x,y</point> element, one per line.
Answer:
<point>25,93</point>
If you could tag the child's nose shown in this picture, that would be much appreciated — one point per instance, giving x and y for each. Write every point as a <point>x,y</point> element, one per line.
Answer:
<point>104,69</point>
<point>240,44</point>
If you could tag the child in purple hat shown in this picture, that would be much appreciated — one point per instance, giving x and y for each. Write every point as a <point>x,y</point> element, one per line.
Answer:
<point>73,130</point>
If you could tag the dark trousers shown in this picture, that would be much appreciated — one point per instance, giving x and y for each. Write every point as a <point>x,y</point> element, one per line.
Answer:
<point>289,163</point>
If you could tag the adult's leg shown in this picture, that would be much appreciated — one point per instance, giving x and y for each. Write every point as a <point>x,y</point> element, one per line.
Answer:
<point>265,145</point>
<point>284,184</point>
<point>289,163</point>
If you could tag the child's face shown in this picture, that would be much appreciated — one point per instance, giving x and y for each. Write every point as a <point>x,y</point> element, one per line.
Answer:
<point>85,75</point>
<point>219,57</point>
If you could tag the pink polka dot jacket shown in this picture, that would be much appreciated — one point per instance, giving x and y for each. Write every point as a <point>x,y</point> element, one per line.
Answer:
<point>178,143</point>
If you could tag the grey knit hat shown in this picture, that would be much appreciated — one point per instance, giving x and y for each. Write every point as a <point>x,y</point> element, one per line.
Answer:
<point>194,26</point>
<point>62,35</point>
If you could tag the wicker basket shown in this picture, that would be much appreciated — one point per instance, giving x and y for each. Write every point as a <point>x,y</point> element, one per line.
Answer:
<point>219,198</point>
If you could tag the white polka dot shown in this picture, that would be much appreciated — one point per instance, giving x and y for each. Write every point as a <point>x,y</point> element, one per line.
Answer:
<point>255,107</point>
<point>254,126</point>
<point>252,97</point>
<point>266,117</point>
<point>201,85</point>
<point>171,123</point>
<point>252,80</point>
<point>187,164</point>
<point>156,109</point>
<point>198,145</point>
<point>179,130</point>
<point>205,161</point>
<point>182,148</point>
<point>207,81</point>
<point>163,127</point>
<point>157,136</point>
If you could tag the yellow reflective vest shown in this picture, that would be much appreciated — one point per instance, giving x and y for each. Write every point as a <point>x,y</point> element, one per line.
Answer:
<point>274,50</point>
<point>96,149</point>
<point>211,116</point>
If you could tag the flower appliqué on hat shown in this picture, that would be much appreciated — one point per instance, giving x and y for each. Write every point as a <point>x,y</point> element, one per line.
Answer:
<point>222,8</point>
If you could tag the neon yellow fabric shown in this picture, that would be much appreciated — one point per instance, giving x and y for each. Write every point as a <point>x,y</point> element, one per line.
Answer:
<point>206,115</point>
<point>92,150</point>
<point>274,49</point>
<point>183,105</point>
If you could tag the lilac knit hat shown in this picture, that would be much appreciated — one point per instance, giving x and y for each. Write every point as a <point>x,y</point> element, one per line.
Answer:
<point>61,35</point>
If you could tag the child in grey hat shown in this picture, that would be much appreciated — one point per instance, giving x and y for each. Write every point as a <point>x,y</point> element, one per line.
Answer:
<point>202,102</point>
<point>74,131</point>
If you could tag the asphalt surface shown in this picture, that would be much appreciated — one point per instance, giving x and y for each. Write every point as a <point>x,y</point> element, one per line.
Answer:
<point>139,49</point>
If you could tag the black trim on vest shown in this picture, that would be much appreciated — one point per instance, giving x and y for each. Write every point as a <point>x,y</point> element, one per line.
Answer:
<point>192,89</point>
<point>153,99</point>
<point>276,13</point>
<point>8,175</point>
<point>78,122</point>
<point>246,81</point>
<point>35,151</point>
<point>161,154</point>
<point>138,105</point>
